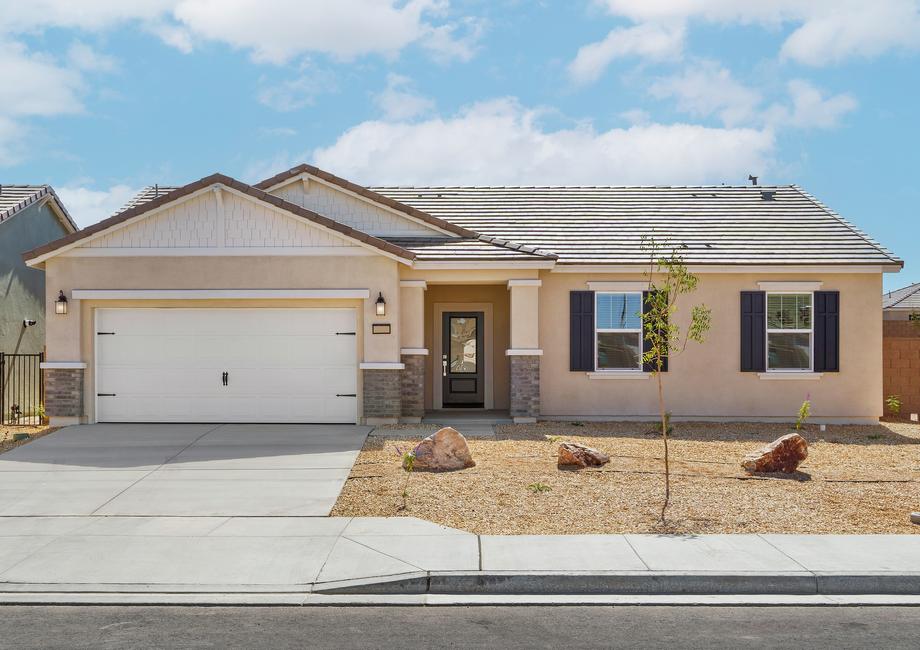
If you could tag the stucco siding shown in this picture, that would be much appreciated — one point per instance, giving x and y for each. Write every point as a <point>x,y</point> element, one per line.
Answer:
<point>22,289</point>
<point>706,380</point>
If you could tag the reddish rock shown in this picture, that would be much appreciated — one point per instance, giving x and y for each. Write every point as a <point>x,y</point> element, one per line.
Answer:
<point>573,454</point>
<point>782,455</point>
<point>443,451</point>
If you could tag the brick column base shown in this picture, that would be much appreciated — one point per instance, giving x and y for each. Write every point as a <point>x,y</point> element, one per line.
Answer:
<point>525,387</point>
<point>412,387</point>
<point>382,399</point>
<point>64,392</point>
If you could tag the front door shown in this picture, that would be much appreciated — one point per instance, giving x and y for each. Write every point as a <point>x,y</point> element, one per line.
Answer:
<point>461,359</point>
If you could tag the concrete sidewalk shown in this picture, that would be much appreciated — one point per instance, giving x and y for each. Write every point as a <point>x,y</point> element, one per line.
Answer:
<point>55,559</point>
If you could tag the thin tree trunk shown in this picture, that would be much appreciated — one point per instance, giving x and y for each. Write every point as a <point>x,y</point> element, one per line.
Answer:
<point>664,437</point>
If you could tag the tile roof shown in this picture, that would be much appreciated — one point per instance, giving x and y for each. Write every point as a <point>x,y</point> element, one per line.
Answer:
<point>906,298</point>
<point>711,224</point>
<point>14,198</point>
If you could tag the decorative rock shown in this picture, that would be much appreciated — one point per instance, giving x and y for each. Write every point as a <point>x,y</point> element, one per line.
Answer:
<point>573,454</point>
<point>782,455</point>
<point>443,451</point>
<point>915,517</point>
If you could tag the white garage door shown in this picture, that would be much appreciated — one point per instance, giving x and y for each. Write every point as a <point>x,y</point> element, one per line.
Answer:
<point>281,365</point>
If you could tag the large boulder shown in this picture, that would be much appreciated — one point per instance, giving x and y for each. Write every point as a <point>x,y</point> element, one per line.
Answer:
<point>782,455</point>
<point>572,454</point>
<point>443,451</point>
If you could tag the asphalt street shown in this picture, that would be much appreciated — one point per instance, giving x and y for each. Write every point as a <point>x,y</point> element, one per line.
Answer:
<point>459,627</point>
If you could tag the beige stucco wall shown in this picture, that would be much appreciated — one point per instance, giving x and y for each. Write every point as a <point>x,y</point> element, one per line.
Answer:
<point>497,296</point>
<point>706,380</point>
<point>70,337</point>
<point>525,317</point>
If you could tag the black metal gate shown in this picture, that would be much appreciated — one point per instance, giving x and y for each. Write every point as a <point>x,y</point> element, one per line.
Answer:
<point>22,389</point>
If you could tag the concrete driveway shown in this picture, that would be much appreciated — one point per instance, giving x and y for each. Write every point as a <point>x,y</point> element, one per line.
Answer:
<point>180,470</point>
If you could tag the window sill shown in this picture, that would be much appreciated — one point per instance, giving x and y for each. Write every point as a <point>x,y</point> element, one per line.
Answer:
<point>618,374</point>
<point>779,374</point>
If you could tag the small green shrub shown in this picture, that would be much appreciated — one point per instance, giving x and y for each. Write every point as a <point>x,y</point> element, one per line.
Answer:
<point>553,439</point>
<point>804,412</point>
<point>893,402</point>
<point>536,488</point>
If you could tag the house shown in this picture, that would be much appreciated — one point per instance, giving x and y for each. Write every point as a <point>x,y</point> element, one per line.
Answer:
<point>308,298</point>
<point>30,216</point>
<point>901,346</point>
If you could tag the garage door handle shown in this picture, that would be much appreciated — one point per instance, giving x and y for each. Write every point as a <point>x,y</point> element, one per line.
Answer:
<point>105,394</point>
<point>346,333</point>
<point>346,395</point>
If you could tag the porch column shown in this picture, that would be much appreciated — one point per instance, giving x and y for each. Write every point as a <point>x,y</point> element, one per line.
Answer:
<point>412,349</point>
<point>525,349</point>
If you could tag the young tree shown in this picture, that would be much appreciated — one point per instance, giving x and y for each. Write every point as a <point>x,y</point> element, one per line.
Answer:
<point>668,278</point>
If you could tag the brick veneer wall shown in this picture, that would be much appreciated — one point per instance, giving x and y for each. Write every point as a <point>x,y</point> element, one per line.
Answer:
<point>525,386</point>
<point>412,386</point>
<point>63,392</point>
<point>382,395</point>
<point>901,356</point>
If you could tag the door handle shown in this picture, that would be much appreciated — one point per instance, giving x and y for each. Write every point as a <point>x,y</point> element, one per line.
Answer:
<point>225,377</point>
<point>444,367</point>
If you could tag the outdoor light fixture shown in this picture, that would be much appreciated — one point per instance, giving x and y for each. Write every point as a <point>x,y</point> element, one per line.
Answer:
<point>60,305</point>
<point>381,304</point>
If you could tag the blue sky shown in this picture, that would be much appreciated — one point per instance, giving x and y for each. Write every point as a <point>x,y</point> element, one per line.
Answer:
<point>102,97</point>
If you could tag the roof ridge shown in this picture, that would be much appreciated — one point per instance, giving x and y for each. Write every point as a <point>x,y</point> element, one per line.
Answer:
<point>865,237</point>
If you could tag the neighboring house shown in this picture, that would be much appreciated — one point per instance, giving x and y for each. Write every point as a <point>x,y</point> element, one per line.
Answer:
<point>901,348</point>
<point>30,216</point>
<point>308,298</point>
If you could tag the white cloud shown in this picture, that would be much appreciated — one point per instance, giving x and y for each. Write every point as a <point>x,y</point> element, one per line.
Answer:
<point>34,85</point>
<point>83,57</point>
<point>501,141</point>
<point>826,31</point>
<point>87,206</point>
<point>810,107</point>
<point>649,40</point>
<point>273,31</point>
<point>299,92</point>
<point>399,101</point>
<point>705,88</point>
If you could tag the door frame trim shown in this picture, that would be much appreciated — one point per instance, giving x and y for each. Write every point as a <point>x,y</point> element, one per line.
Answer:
<point>437,398</point>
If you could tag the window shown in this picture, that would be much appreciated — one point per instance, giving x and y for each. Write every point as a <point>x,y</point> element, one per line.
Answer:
<point>618,331</point>
<point>789,331</point>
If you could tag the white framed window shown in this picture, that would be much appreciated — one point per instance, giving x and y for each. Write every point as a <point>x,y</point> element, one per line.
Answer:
<point>618,330</point>
<point>790,331</point>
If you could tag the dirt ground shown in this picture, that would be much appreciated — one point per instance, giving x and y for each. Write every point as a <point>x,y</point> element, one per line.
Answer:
<point>857,479</point>
<point>7,432</point>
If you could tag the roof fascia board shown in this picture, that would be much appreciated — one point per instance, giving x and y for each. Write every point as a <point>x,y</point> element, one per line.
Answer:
<point>732,268</point>
<point>462,265</point>
<point>344,190</point>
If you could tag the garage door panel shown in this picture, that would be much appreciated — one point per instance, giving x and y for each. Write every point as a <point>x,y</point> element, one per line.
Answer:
<point>284,365</point>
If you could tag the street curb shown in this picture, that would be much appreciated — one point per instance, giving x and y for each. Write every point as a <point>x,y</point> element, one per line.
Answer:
<point>637,583</point>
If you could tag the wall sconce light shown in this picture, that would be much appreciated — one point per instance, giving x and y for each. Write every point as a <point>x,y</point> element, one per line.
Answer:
<point>60,305</point>
<point>381,304</point>
<point>27,322</point>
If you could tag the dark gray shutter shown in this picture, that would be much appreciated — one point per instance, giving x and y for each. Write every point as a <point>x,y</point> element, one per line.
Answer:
<point>646,346</point>
<point>753,331</point>
<point>827,331</point>
<point>581,330</point>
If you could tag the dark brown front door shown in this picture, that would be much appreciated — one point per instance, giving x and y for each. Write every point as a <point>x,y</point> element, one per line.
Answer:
<point>461,359</point>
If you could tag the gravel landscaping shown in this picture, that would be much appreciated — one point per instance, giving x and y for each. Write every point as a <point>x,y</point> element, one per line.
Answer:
<point>857,479</point>
<point>7,433</point>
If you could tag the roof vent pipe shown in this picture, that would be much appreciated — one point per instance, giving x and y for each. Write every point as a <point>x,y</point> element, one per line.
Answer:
<point>753,179</point>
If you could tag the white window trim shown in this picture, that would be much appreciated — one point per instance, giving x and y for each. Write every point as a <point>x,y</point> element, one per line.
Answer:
<point>637,369</point>
<point>810,332</point>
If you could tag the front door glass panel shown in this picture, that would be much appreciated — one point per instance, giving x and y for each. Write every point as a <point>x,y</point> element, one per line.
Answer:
<point>463,352</point>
